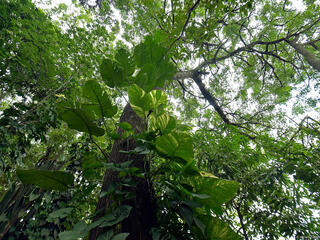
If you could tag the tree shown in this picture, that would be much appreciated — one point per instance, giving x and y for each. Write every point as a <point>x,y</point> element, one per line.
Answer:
<point>232,68</point>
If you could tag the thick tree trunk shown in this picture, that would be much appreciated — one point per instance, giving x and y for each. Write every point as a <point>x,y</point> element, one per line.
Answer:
<point>143,214</point>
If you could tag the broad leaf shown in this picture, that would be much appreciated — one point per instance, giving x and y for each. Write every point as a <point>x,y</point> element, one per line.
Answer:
<point>143,102</point>
<point>146,78</point>
<point>49,180</point>
<point>117,216</point>
<point>106,236</point>
<point>164,123</point>
<point>138,100</point>
<point>148,52</point>
<point>61,213</point>
<point>113,74</point>
<point>100,103</point>
<point>186,213</point>
<point>79,120</point>
<point>159,101</point>
<point>217,229</point>
<point>176,145</point>
<point>125,126</point>
<point>80,230</point>
<point>218,190</point>
<point>121,236</point>
<point>125,60</point>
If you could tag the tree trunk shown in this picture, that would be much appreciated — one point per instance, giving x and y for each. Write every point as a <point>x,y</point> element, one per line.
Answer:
<point>143,214</point>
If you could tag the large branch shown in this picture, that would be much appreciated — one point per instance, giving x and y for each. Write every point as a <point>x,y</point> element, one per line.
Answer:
<point>311,58</point>
<point>207,95</point>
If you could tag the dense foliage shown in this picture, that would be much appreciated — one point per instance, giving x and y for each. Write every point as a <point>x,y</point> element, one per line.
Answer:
<point>159,120</point>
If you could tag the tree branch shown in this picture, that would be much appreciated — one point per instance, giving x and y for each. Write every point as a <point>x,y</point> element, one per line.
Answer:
<point>185,24</point>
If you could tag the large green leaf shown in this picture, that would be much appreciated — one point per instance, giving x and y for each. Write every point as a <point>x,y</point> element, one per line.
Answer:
<point>121,236</point>
<point>219,190</point>
<point>79,120</point>
<point>117,216</point>
<point>150,53</point>
<point>143,102</point>
<point>126,61</point>
<point>139,100</point>
<point>49,180</point>
<point>217,229</point>
<point>164,71</point>
<point>164,123</point>
<point>186,213</point>
<point>80,230</point>
<point>146,78</point>
<point>159,101</point>
<point>113,74</point>
<point>100,103</point>
<point>61,213</point>
<point>176,145</point>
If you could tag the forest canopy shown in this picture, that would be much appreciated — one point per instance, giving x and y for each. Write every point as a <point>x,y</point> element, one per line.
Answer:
<point>161,119</point>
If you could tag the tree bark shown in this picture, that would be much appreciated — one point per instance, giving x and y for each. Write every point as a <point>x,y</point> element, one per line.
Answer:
<point>143,214</point>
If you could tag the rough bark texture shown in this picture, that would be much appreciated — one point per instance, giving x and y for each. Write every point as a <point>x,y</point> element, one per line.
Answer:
<point>143,214</point>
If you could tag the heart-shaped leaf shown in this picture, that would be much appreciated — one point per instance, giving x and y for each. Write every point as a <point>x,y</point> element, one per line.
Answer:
<point>99,103</point>
<point>49,180</point>
<point>79,120</point>
<point>176,145</point>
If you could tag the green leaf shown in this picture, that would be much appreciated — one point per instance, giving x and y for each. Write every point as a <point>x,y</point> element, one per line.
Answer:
<point>121,236</point>
<point>106,236</point>
<point>138,101</point>
<point>159,101</point>
<point>190,169</point>
<point>218,190</point>
<point>61,213</point>
<point>107,72</point>
<point>90,160</point>
<point>186,213</point>
<point>100,103</point>
<point>200,225</point>
<point>33,196</point>
<point>146,78</point>
<point>80,230</point>
<point>113,74</point>
<point>112,187</point>
<point>125,126</point>
<point>79,120</point>
<point>49,180</point>
<point>156,233</point>
<point>148,52</point>
<point>117,216</point>
<point>217,229</point>
<point>125,60</point>
<point>165,71</point>
<point>176,145</point>
<point>142,103</point>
